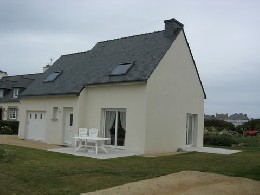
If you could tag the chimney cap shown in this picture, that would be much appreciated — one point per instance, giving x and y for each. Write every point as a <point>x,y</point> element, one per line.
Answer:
<point>173,20</point>
<point>171,27</point>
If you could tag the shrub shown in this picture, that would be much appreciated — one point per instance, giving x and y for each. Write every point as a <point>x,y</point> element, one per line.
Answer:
<point>14,125</point>
<point>6,130</point>
<point>219,140</point>
<point>219,125</point>
<point>7,154</point>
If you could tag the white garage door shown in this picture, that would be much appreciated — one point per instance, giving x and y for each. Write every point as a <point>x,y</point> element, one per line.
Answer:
<point>36,125</point>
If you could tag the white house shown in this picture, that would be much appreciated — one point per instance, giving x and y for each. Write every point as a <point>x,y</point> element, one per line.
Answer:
<point>143,91</point>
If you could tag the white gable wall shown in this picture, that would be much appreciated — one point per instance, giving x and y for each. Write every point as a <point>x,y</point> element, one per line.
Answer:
<point>173,90</point>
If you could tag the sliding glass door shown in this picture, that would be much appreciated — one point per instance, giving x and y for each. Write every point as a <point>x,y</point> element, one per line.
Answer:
<point>115,126</point>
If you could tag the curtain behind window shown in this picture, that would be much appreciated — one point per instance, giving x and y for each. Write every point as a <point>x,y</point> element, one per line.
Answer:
<point>110,118</point>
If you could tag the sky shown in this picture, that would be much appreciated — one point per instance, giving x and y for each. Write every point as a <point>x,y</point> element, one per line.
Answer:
<point>223,36</point>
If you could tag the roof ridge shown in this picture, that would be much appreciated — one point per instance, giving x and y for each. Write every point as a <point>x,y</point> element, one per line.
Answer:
<point>131,36</point>
<point>76,53</point>
<point>21,75</point>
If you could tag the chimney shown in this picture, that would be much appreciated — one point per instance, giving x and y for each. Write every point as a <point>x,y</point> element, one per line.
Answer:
<point>46,67</point>
<point>3,74</point>
<point>171,26</point>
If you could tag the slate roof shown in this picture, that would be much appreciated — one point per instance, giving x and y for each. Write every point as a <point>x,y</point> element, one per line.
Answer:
<point>8,83</point>
<point>95,66</point>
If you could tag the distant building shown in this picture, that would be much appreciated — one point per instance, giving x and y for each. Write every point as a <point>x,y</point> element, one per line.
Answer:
<point>223,117</point>
<point>236,119</point>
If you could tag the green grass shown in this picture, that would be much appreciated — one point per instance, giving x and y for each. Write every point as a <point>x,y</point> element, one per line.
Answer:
<point>36,171</point>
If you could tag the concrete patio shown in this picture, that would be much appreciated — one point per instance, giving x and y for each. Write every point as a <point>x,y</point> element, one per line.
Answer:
<point>210,150</point>
<point>112,152</point>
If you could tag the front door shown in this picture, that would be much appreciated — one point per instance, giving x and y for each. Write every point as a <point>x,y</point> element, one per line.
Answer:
<point>190,129</point>
<point>68,123</point>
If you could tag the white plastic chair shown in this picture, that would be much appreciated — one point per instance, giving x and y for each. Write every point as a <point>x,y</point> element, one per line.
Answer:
<point>83,132</point>
<point>93,132</point>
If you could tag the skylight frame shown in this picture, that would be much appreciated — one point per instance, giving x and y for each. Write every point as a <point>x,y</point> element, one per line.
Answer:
<point>53,76</point>
<point>122,69</point>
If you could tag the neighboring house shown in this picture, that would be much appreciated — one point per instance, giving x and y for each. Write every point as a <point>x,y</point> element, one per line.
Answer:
<point>238,119</point>
<point>223,117</point>
<point>2,74</point>
<point>143,91</point>
<point>10,88</point>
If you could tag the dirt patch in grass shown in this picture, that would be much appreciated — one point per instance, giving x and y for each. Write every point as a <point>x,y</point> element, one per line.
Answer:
<point>187,182</point>
<point>14,140</point>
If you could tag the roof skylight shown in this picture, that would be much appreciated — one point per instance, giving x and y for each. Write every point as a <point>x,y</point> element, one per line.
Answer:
<point>52,76</point>
<point>122,68</point>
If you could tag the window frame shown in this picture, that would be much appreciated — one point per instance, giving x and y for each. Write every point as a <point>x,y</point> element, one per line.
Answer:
<point>117,72</point>
<point>53,76</point>
<point>16,93</point>
<point>12,113</point>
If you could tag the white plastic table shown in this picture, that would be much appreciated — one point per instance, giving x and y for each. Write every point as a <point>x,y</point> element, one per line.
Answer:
<point>99,142</point>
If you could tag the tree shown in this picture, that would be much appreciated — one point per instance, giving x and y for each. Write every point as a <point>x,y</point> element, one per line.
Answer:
<point>252,124</point>
<point>219,124</point>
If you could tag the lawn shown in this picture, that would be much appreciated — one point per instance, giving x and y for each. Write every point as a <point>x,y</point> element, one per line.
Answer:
<point>36,171</point>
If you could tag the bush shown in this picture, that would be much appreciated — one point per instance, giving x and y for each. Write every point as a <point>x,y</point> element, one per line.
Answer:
<point>6,130</point>
<point>219,140</point>
<point>219,125</point>
<point>14,125</point>
<point>7,154</point>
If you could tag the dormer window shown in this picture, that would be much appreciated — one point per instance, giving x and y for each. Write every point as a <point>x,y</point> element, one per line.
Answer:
<point>1,93</point>
<point>122,68</point>
<point>15,93</point>
<point>52,76</point>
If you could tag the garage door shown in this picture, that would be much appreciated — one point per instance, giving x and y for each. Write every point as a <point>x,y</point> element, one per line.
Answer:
<point>36,125</point>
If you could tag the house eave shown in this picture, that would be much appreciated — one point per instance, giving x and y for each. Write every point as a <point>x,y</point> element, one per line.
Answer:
<point>49,95</point>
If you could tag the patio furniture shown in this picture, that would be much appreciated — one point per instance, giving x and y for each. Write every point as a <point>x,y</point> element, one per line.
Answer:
<point>92,137</point>
<point>83,132</point>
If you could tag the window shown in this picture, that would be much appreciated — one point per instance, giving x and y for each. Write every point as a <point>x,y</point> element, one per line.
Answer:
<point>35,116</point>
<point>122,68</point>
<point>15,93</point>
<point>12,113</point>
<point>1,93</point>
<point>71,120</point>
<point>52,76</point>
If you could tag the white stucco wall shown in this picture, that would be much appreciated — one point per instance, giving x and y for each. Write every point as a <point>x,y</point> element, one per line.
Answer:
<point>54,128</point>
<point>173,90</point>
<point>130,97</point>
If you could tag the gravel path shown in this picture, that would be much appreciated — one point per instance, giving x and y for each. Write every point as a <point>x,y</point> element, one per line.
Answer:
<point>187,182</point>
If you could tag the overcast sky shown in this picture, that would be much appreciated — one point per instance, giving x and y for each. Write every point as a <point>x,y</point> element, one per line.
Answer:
<point>223,36</point>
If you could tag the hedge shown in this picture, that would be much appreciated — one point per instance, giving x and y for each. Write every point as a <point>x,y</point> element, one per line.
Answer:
<point>219,140</point>
<point>14,125</point>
